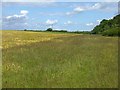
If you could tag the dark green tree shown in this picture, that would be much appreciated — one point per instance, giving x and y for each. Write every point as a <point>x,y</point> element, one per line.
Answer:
<point>49,29</point>
<point>25,29</point>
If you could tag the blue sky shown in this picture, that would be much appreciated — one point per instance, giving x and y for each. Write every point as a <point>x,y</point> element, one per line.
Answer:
<point>71,16</point>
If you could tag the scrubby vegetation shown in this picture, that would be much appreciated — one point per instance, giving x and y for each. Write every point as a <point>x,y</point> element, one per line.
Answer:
<point>108,27</point>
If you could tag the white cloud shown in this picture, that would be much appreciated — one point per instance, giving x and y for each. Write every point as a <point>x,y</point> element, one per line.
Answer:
<point>69,13</point>
<point>89,24</point>
<point>26,24</point>
<point>99,21</point>
<point>78,9</point>
<point>51,22</point>
<point>96,6</point>
<point>15,20</point>
<point>75,11</point>
<point>68,22</point>
<point>24,12</point>
<point>111,18</point>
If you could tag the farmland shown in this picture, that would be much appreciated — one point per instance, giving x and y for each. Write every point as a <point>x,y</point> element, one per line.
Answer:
<point>58,60</point>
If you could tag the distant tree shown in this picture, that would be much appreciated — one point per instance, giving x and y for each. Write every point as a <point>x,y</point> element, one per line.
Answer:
<point>49,29</point>
<point>25,29</point>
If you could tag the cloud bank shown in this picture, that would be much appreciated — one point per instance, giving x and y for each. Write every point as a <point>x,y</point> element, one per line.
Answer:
<point>51,22</point>
<point>96,6</point>
<point>15,20</point>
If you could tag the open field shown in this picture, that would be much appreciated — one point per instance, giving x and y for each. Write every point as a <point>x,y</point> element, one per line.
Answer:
<point>59,60</point>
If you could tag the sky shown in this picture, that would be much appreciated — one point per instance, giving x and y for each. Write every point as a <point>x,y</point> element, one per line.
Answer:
<point>71,16</point>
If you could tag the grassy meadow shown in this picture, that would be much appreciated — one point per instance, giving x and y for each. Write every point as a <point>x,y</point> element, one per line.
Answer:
<point>58,60</point>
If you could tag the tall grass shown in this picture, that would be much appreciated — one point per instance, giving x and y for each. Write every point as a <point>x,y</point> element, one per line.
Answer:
<point>67,61</point>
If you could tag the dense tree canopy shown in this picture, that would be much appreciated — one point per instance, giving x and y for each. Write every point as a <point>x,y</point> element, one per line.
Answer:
<point>108,27</point>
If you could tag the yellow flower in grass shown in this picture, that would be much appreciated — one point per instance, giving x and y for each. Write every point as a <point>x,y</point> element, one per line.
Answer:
<point>1,47</point>
<point>12,67</point>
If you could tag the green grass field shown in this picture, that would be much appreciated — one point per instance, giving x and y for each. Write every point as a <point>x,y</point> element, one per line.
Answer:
<point>59,60</point>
